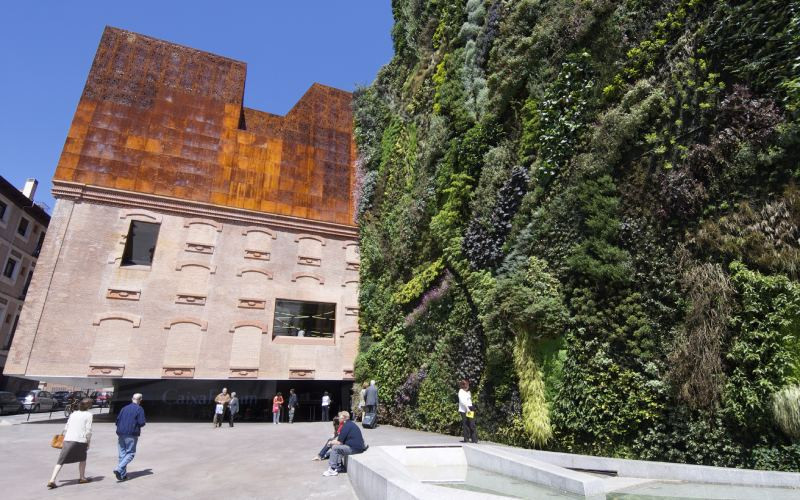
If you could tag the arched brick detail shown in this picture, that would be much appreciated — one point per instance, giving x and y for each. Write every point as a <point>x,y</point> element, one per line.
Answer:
<point>351,331</point>
<point>255,229</point>
<point>133,318</point>
<point>257,324</point>
<point>265,272</point>
<point>350,282</point>
<point>185,319</point>
<point>317,277</point>
<point>208,222</point>
<point>139,214</point>
<point>310,237</point>
<point>349,244</point>
<point>186,263</point>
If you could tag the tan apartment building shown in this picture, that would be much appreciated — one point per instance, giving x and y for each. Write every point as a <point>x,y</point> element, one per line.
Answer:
<point>23,225</point>
<point>196,243</point>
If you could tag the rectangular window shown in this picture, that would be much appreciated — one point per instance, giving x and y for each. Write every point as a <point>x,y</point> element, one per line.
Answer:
<point>297,318</point>
<point>11,266</point>
<point>39,244</point>
<point>22,229</point>
<point>3,209</point>
<point>11,335</point>
<point>27,283</point>
<point>140,246</point>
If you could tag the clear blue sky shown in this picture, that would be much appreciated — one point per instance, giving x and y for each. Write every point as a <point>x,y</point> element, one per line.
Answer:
<point>47,47</point>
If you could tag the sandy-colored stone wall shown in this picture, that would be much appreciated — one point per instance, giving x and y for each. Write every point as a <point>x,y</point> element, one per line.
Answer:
<point>203,310</point>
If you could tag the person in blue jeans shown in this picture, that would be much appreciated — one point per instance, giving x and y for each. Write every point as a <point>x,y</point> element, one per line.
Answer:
<point>129,424</point>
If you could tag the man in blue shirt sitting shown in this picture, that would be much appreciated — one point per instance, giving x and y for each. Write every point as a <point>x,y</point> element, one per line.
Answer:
<point>129,423</point>
<point>349,442</point>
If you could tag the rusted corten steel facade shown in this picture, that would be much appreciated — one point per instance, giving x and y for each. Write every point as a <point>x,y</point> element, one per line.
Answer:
<point>163,119</point>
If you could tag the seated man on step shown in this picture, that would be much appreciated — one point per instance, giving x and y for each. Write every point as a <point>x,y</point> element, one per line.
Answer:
<point>349,442</point>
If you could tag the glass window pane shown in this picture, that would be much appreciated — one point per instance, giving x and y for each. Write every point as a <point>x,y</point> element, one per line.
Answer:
<point>304,319</point>
<point>22,229</point>
<point>8,272</point>
<point>140,244</point>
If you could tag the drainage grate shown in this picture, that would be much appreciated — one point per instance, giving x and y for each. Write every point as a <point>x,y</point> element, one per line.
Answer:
<point>610,473</point>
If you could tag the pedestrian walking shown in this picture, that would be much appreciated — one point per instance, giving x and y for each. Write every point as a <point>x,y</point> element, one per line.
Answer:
<point>233,408</point>
<point>129,426</point>
<point>277,402</point>
<point>467,411</point>
<point>293,404</point>
<point>371,398</point>
<point>77,436</point>
<point>223,398</point>
<point>326,406</point>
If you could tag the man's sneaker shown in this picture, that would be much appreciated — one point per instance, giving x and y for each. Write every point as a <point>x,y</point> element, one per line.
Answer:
<point>330,472</point>
<point>118,475</point>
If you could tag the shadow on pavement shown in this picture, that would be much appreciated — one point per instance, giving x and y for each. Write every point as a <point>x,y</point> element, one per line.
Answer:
<point>73,482</point>
<point>139,473</point>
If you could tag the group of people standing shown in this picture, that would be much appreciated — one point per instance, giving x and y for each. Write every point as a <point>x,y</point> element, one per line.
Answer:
<point>77,435</point>
<point>368,399</point>
<point>228,405</point>
<point>225,404</point>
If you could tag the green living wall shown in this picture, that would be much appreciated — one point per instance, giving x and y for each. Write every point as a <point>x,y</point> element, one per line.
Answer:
<point>589,210</point>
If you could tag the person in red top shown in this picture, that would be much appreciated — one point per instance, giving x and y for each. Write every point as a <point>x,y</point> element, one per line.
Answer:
<point>277,401</point>
<point>324,452</point>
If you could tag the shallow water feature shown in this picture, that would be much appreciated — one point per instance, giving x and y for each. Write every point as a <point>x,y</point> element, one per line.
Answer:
<point>483,481</point>
<point>678,490</point>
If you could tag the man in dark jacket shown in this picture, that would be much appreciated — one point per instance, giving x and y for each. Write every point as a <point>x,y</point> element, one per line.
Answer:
<point>233,408</point>
<point>129,423</point>
<point>371,398</point>
<point>348,442</point>
<point>292,405</point>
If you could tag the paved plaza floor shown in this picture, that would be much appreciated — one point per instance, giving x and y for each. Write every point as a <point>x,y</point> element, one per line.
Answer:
<point>178,460</point>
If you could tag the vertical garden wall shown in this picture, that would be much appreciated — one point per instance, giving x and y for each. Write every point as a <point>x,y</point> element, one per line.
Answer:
<point>589,210</point>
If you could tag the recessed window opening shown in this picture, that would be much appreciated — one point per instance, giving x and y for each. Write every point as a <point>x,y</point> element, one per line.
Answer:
<point>140,246</point>
<point>22,229</point>
<point>11,266</point>
<point>296,318</point>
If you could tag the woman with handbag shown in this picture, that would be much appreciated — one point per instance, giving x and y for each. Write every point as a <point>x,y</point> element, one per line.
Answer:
<point>277,401</point>
<point>467,411</point>
<point>77,436</point>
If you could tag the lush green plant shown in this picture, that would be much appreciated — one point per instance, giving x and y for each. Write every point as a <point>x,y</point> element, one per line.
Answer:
<point>786,410</point>
<point>764,349</point>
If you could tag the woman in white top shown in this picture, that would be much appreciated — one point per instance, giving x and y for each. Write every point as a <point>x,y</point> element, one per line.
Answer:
<point>77,435</point>
<point>326,406</point>
<point>467,411</point>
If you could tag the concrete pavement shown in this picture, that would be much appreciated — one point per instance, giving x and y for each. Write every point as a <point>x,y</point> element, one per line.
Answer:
<point>187,460</point>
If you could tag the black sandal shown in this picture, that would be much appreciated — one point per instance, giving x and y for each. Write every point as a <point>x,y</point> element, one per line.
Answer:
<point>51,485</point>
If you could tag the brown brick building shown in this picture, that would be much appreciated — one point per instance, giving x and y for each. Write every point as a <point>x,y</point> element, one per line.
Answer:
<point>195,243</point>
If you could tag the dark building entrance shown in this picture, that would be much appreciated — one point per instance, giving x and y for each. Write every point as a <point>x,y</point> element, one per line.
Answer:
<point>194,399</point>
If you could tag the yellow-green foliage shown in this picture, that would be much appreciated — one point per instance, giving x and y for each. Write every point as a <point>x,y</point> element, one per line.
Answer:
<point>419,283</point>
<point>535,411</point>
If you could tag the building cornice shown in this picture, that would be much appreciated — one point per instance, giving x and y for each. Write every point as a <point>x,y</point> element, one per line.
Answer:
<point>76,191</point>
